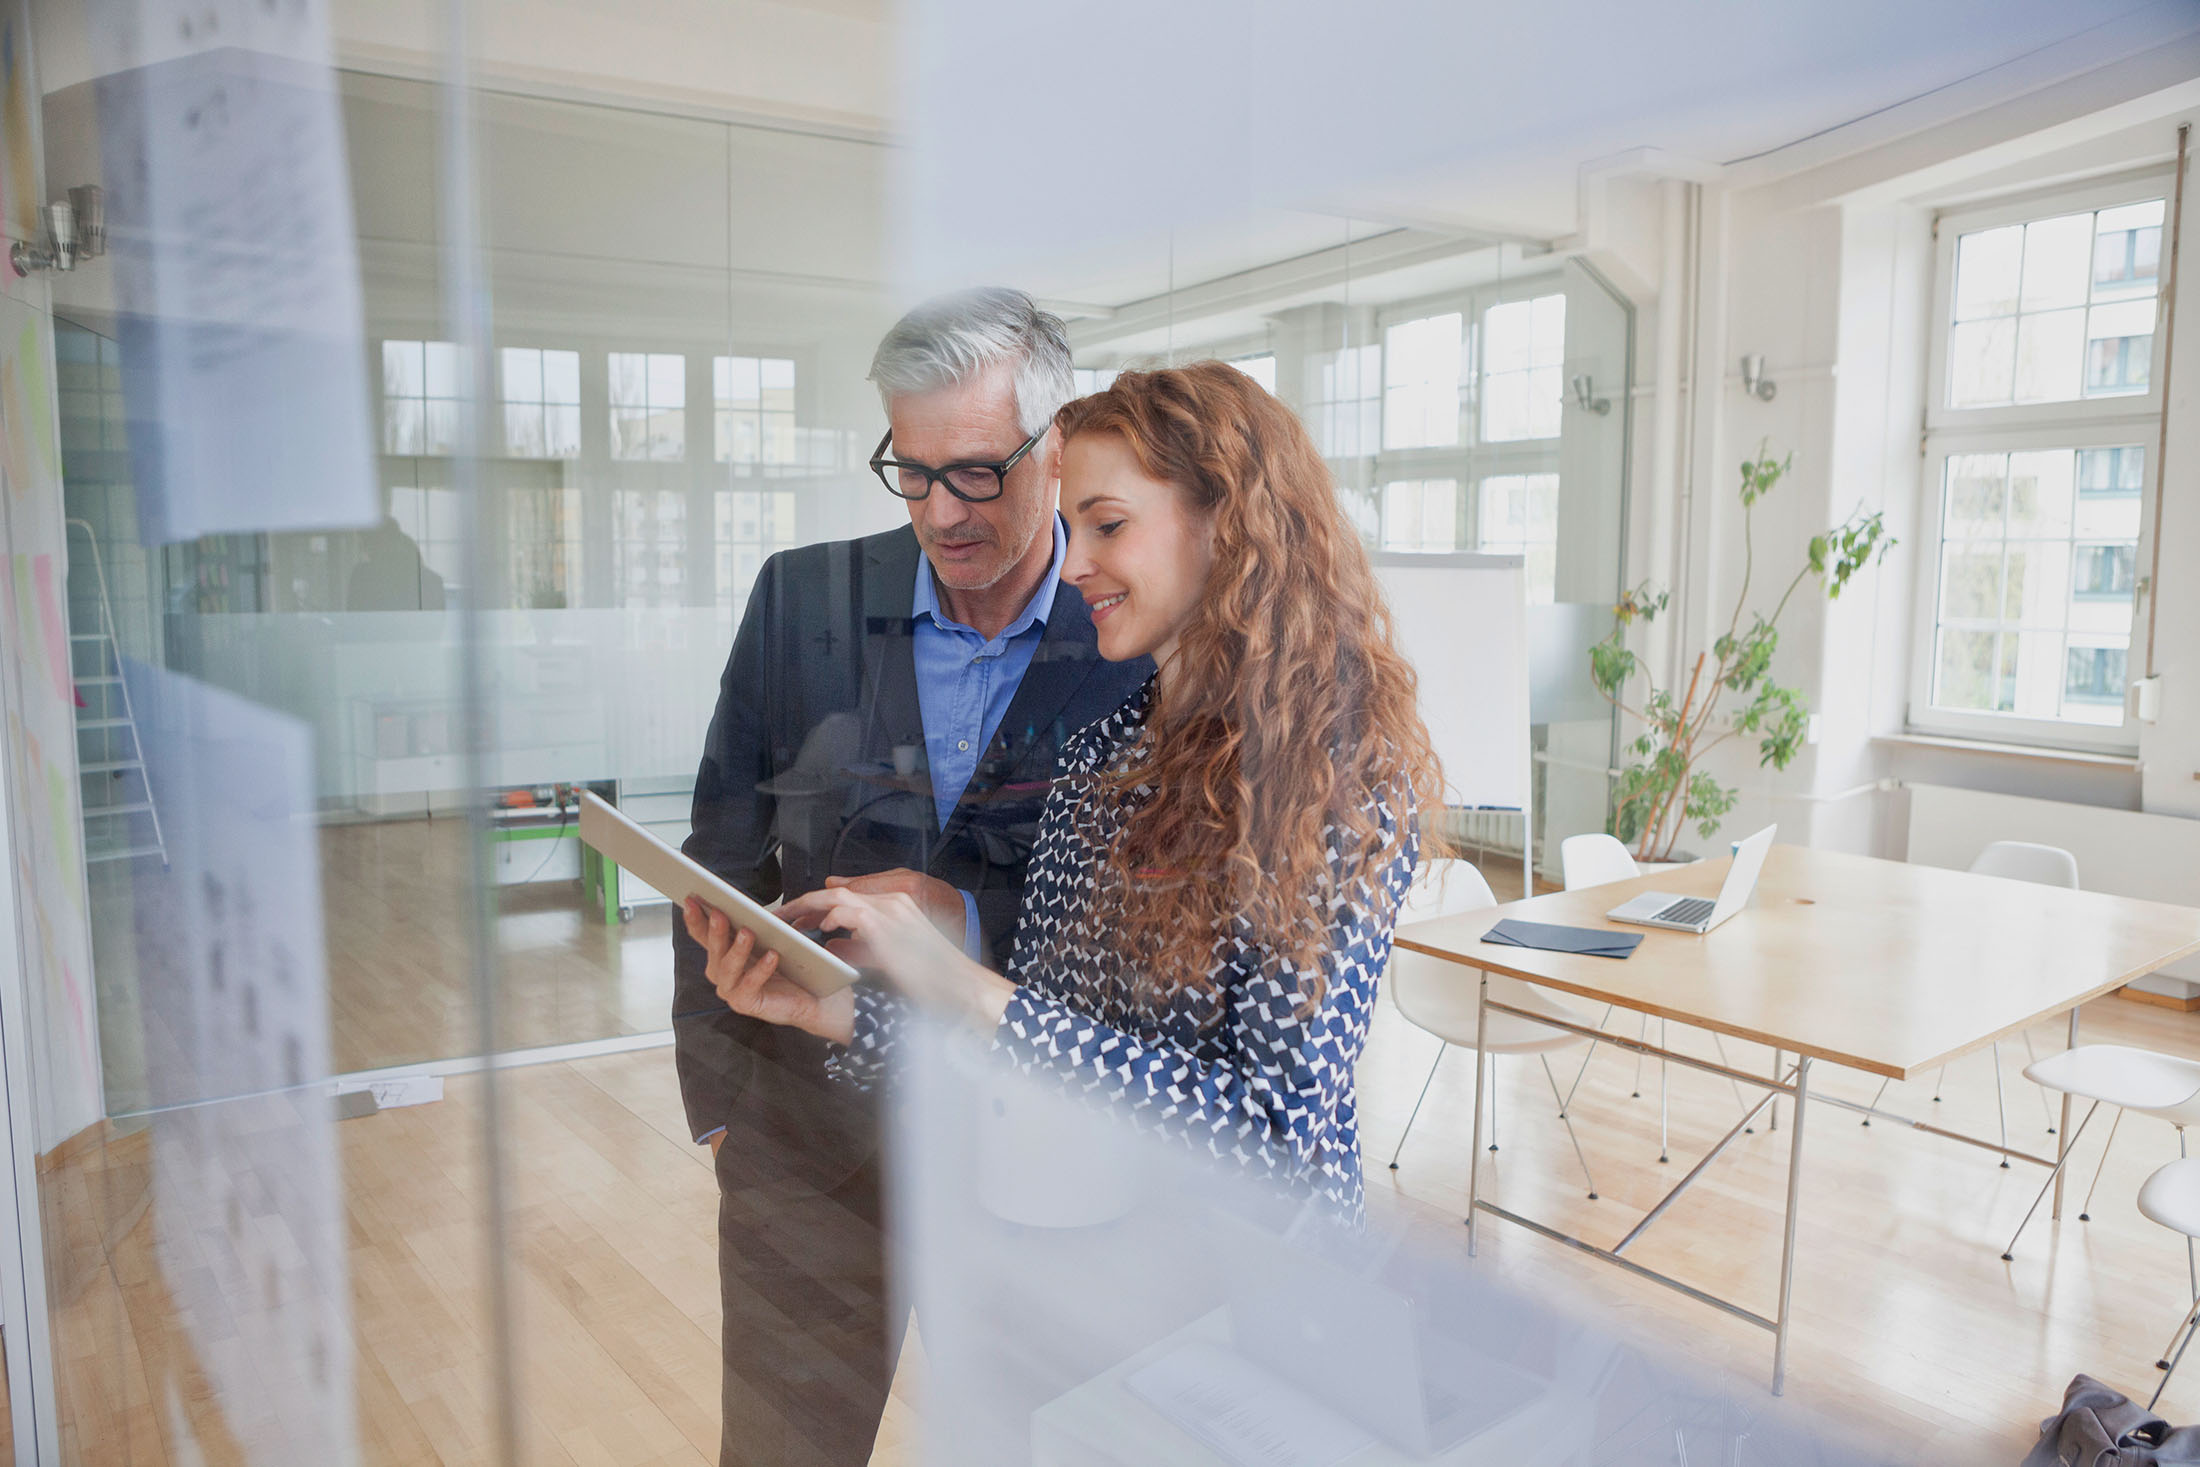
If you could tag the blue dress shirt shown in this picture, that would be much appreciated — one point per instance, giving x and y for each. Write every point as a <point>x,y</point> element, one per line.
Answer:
<point>965,683</point>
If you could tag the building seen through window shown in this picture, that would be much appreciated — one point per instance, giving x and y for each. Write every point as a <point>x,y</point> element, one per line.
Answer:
<point>2055,309</point>
<point>2036,579</point>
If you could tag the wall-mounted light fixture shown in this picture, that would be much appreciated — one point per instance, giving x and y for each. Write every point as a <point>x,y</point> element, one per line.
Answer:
<point>1585,395</point>
<point>70,230</point>
<point>1754,380</point>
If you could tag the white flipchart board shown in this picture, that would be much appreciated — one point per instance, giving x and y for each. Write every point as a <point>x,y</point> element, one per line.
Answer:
<point>1462,620</point>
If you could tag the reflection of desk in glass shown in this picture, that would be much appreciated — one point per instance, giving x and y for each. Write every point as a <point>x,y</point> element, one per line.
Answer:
<point>1108,1420</point>
<point>414,746</point>
<point>533,823</point>
<point>661,806</point>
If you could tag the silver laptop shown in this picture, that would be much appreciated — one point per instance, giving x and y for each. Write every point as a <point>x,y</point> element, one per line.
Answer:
<point>1701,914</point>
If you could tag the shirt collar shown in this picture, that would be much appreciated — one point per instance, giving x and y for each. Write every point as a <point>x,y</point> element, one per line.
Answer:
<point>1036,610</point>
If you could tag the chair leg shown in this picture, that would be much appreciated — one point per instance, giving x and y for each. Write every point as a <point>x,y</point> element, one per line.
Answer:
<point>1548,1075</point>
<point>1882,1090</point>
<point>1568,1103</point>
<point>2173,1349</point>
<point>1641,1037</point>
<point>2168,1362</point>
<point>2086,1213</point>
<point>2171,1369</point>
<point>1940,1075</point>
<point>2047,1107</point>
<point>2010,1252</point>
<point>2192,1269</point>
<point>2001,1104</point>
<point>1440,1050</point>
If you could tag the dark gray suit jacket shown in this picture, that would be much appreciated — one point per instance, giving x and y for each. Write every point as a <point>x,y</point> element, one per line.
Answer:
<point>797,784</point>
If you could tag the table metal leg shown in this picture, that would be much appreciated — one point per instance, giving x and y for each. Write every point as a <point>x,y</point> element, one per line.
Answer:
<point>1787,1245</point>
<point>1474,1152</point>
<point>2062,1132</point>
<point>1772,1123</point>
<point>1662,1092</point>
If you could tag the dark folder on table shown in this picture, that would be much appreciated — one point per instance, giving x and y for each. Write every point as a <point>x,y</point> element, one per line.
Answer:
<point>1592,942</point>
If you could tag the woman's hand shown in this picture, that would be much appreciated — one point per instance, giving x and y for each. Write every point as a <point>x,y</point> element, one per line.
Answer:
<point>891,935</point>
<point>752,984</point>
<point>939,901</point>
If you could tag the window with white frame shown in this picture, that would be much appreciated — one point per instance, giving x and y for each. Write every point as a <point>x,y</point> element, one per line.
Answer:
<point>1523,367</point>
<point>1345,408</point>
<point>1519,516</point>
<point>2055,309</point>
<point>2043,408</point>
<point>648,405</point>
<point>1421,516</point>
<point>421,387</point>
<point>542,402</point>
<point>1422,360</point>
<point>1471,402</point>
<point>753,402</point>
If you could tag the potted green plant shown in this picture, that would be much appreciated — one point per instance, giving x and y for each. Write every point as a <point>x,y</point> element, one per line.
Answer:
<point>1662,790</point>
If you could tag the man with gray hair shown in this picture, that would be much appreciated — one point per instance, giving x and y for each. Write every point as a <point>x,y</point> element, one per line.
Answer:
<point>890,719</point>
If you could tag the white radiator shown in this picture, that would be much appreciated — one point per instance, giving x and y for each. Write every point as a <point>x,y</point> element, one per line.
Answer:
<point>2155,857</point>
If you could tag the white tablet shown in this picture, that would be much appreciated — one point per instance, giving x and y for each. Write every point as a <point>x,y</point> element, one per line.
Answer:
<point>652,861</point>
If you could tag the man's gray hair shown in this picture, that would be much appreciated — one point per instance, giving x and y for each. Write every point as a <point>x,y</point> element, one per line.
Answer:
<point>952,338</point>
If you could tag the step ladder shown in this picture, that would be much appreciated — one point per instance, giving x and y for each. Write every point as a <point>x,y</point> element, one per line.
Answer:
<point>121,822</point>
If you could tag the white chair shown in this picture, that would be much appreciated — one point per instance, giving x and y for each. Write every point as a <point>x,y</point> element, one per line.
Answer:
<point>2018,860</point>
<point>1597,859</point>
<point>2171,1197</point>
<point>2129,1079</point>
<point>1444,998</point>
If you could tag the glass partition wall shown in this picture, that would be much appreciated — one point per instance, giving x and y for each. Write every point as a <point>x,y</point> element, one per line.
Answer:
<point>296,869</point>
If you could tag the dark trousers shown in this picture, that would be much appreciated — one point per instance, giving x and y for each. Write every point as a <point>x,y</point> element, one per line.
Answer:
<point>809,1349</point>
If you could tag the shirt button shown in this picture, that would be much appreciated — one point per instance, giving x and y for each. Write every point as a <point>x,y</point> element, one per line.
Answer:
<point>963,744</point>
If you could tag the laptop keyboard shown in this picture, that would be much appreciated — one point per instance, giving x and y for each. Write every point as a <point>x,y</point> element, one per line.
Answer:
<point>1687,909</point>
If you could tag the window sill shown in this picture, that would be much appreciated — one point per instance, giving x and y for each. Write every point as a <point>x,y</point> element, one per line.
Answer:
<point>2013,751</point>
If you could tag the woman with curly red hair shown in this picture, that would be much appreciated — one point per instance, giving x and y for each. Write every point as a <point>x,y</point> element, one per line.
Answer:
<point>1221,861</point>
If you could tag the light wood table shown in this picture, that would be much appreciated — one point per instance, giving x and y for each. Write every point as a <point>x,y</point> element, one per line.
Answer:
<point>1873,965</point>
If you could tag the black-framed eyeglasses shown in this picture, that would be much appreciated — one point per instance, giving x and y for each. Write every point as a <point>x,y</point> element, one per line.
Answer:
<point>973,483</point>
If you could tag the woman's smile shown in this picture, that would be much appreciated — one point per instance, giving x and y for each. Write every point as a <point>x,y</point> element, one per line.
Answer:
<point>1106,604</point>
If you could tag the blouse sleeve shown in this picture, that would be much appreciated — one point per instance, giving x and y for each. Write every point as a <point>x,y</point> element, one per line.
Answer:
<point>861,1062</point>
<point>1271,1105</point>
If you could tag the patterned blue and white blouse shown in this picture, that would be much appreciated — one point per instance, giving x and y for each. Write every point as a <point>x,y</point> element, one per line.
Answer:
<point>1241,1070</point>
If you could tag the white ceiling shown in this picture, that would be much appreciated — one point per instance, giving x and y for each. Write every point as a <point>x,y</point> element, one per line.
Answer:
<point>1473,116</point>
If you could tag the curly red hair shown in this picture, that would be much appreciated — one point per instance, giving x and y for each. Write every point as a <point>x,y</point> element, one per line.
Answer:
<point>1289,704</point>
